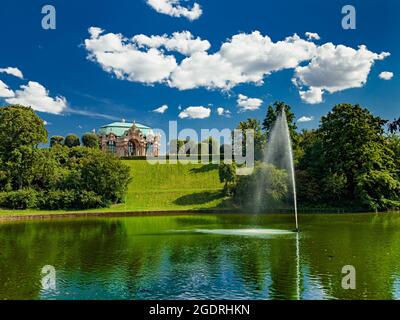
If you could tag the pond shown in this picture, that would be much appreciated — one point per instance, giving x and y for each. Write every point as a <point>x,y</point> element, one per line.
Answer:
<point>225,256</point>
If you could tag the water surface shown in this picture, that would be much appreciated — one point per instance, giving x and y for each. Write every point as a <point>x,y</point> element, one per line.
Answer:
<point>202,257</point>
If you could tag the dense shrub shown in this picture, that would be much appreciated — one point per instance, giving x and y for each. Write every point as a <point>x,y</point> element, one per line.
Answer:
<point>106,176</point>
<point>69,199</point>
<point>266,188</point>
<point>72,140</point>
<point>19,200</point>
<point>90,140</point>
<point>61,177</point>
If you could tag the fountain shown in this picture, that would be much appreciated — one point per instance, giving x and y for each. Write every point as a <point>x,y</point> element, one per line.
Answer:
<point>279,153</point>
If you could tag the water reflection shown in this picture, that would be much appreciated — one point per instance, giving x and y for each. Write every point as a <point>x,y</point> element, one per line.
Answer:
<point>168,258</point>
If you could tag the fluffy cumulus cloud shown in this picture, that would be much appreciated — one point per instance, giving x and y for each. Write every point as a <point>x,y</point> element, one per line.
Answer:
<point>182,42</point>
<point>245,58</point>
<point>386,75</point>
<point>161,109</point>
<point>305,119</point>
<point>5,91</point>
<point>223,112</point>
<point>199,112</point>
<point>35,95</point>
<point>125,60</point>
<point>248,104</point>
<point>335,68</point>
<point>312,36</point>
<point>12,71</point>
<point>312,95</point>
<point>174,8</point>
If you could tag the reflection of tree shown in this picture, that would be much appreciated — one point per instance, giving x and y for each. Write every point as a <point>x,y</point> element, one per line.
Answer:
<point>369,244</point>
<point>144,257</point>
<point>27,247</point>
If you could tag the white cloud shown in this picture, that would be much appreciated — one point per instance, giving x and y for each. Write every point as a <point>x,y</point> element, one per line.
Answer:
<point>336,68</point>
<point>161,109</point>
<point>36,96</point>
<point>5,91</point>
<point>386,75</point>
<point>182,42</point>
<point>174,8</point>
<point>125,60</point>
<point>245,58</point>
<point>195,113</point>
<point>305,119</point>
<point>312,36</point>
<point>12,71</point>
<point>312,96</point>
<point>245,103</point>
<point>204,70</point>
<point>223,112</point>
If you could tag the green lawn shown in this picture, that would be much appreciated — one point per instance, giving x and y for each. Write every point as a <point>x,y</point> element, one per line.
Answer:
<point>163,187</point>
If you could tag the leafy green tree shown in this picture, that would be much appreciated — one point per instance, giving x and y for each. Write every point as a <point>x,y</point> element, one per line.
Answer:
<point>227,175</point>
<point>175,146</point>
<point>259,139</point>
<point>22,166</point>
<point>56,140</point>
<point>394,126</point>
<point>211,145</point>
<point>20,126</point>
<point>105,175</point>
<point>72,140</point>
<point>265,189</point>
<point>272,115</point>
<point>354,148</point>
<point>90,140</point>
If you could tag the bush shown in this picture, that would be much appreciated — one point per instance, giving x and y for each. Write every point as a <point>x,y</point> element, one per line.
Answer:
<point>267,188</point>
<point>89,200</point>
<point>72,140</point>
<point>19,200</point>
<point>70,199</point>
<point>57,199</point>
<point>91,140</point>
<point>105,175</point>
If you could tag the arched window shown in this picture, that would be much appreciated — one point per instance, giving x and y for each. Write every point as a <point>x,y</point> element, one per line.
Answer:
<point>112,146</point>
<point>131,149</point>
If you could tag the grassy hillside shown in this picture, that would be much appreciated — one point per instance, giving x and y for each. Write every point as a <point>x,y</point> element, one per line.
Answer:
<point>162,187</point>
<point>172,186</point>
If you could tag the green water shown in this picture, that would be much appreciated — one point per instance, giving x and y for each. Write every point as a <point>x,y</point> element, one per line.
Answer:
<point>202,257</point>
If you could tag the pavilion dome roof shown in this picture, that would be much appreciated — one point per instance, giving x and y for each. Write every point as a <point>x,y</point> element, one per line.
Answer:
<point>120,128</point>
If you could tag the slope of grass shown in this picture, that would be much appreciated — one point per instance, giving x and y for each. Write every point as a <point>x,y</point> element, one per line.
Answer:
<point>172,187</point>
<point>163,187</point>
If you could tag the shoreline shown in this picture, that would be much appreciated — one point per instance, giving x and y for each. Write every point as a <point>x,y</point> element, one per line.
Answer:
<point>122,214</point>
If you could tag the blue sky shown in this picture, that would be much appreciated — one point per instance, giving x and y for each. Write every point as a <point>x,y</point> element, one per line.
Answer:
<point>93,94</point>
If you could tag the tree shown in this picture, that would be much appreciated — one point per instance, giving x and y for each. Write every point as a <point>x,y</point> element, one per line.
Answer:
<point>90,140</point>
<point>105,175</point>
<point>354,148</point>
<point>175,146</point>
<point>20,126</point>
<point>272,114</point>
<point>265,189</point>
<point>394,126</point>
<point>210,145</point>
<point>227,175</point>
<point>56,140</point>
<point>259,139</point>
<point>72,140</point>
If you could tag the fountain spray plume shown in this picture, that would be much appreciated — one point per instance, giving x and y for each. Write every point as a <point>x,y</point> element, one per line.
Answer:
<point>279,152</point>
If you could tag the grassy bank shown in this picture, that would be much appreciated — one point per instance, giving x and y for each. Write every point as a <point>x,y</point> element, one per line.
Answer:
<point>162,187</point>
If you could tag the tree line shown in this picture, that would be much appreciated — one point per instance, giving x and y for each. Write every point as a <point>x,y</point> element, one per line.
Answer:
<point>65,176</point>
<point>351,161</point>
